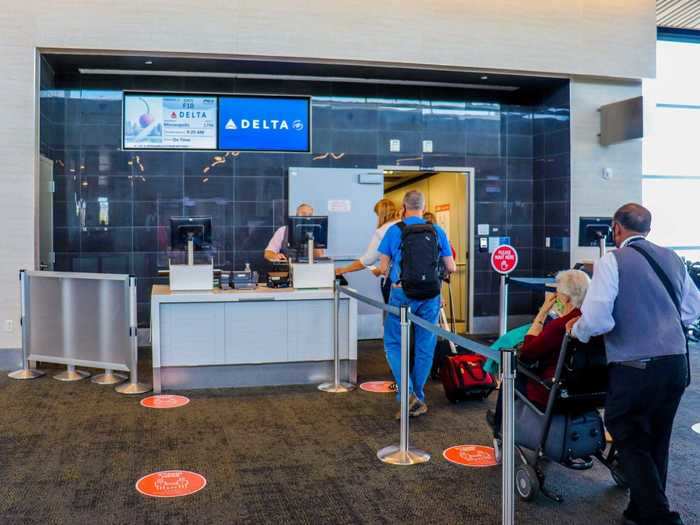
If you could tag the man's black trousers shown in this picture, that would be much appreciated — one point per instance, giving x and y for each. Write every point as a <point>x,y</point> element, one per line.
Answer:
<point>639,412</point>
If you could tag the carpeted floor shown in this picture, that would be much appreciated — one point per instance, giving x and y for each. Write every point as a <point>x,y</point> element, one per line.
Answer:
<point>71,453</point>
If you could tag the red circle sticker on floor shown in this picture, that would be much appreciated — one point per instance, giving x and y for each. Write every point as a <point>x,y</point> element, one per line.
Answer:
<point>471,456</point>
<point>171,484</point>
<point>164,401</point>
<point>380,387</point>
<point>696,428</point>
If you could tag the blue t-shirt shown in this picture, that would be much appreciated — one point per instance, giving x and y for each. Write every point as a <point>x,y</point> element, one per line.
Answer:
<point>391,245</point>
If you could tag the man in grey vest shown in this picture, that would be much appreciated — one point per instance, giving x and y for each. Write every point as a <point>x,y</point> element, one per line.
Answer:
<point>641,297</point>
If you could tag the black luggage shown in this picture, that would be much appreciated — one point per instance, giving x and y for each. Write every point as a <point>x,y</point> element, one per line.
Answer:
<point>571,436</point>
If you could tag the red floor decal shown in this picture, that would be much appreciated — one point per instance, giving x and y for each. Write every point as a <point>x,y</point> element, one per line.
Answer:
<point>380,387</point>
<point>171,484</point>
<point>164,401</point>
<point>696,428</point>
<point>471,456</point>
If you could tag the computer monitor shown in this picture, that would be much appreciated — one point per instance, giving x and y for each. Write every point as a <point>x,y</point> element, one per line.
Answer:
<point>301,229</point>
<point>592,229</point>
<point>182,228</point>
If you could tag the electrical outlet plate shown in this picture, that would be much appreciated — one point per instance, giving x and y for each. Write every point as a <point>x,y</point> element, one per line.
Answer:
<point>9,325</point>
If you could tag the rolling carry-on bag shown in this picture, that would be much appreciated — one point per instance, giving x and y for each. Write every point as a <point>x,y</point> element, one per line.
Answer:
<point>463,377</point>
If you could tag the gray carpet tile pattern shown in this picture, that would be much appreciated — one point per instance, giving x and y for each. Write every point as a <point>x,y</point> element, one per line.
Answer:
<point>71,453</point>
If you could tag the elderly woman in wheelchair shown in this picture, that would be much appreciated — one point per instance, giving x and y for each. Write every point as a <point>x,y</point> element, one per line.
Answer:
<point>561,384</point>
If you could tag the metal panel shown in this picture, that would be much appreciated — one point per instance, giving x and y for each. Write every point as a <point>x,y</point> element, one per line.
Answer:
<point>349,232</point>
<point>78,319</point>
<point>620,121</point>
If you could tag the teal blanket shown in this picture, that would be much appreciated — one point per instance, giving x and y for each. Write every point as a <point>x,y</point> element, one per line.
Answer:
<point>510,339</point>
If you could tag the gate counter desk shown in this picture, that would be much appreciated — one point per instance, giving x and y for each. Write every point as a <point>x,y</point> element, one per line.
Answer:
<point>242,338</point>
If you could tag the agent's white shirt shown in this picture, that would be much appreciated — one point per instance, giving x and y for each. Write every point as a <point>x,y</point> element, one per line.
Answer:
<point>371,255</point>
<point>275,244</point>
<point>598,305</point>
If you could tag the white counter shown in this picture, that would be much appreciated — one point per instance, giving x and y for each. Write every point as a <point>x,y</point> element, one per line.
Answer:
<point>263,337</point>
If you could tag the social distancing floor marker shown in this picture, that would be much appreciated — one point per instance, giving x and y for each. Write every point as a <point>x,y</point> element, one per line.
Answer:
<point>164,401</point>
<point>696,428</point>
<point>378,387</point>
<point>171,484</point>
<point>471,456</point>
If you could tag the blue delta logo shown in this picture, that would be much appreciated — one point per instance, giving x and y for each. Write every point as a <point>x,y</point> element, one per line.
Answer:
<point>272,124</point>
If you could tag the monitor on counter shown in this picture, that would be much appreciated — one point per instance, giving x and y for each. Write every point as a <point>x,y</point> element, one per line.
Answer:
<point>301,229</point>
<point>182,228</point>
<point>592,229</point>
<point>165,121</point>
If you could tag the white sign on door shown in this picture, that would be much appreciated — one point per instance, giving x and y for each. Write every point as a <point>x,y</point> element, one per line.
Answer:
<point>339,206</point>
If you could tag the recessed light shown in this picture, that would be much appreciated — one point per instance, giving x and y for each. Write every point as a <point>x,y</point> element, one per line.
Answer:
<point>148,62</point>
<point>484,77</point>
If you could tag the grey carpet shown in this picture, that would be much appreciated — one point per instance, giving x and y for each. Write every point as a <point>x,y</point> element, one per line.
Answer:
<point>71,453</point>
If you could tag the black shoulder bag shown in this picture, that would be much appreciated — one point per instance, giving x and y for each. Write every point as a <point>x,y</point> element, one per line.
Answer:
<point>669,288</point>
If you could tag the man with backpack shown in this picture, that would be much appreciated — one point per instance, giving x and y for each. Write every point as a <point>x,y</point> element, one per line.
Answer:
<point>411,252</point>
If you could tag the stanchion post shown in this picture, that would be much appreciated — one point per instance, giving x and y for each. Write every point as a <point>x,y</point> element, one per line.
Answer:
<point>404,454</point>
<point>26,372</point>
<point>503,307</point>
<point>508,365</point>
<point>601,245</point>
<point>337,386</point>
<point>133,386</point>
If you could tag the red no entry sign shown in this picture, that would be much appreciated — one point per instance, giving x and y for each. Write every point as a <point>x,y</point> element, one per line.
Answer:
<point>504,259</point>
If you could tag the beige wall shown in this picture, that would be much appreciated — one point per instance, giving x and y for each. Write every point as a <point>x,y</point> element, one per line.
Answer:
<point>613,38</point>
<point>591,195</point>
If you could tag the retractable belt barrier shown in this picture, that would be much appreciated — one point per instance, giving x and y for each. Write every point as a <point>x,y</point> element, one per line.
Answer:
<point>403,454</point>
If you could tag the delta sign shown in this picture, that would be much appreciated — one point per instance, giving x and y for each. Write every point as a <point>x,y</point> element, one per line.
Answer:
<point>264,124</point>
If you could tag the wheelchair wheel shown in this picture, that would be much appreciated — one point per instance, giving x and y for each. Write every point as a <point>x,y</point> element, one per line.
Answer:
<point>527,484</point>
<point>617,474</point>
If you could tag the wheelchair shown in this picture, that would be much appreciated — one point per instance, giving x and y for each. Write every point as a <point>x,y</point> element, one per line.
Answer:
<point>578,389</point>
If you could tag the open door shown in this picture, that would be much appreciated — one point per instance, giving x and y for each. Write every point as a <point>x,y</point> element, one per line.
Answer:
<point>448,198</point>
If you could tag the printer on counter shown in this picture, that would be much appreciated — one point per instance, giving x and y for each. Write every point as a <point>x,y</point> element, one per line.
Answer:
<point>244,279</point>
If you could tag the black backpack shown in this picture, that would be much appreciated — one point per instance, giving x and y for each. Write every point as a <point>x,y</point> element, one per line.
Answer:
<point>420,257</point>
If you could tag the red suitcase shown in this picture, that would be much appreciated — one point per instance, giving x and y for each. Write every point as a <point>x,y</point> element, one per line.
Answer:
<point>463,377</point>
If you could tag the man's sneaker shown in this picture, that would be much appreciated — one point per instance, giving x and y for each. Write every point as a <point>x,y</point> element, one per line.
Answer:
<point>419,409</point>
<point>412,400</point>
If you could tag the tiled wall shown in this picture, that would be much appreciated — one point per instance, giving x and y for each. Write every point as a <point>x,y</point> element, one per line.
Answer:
<point>552,182</point>
<point>246,194</point>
